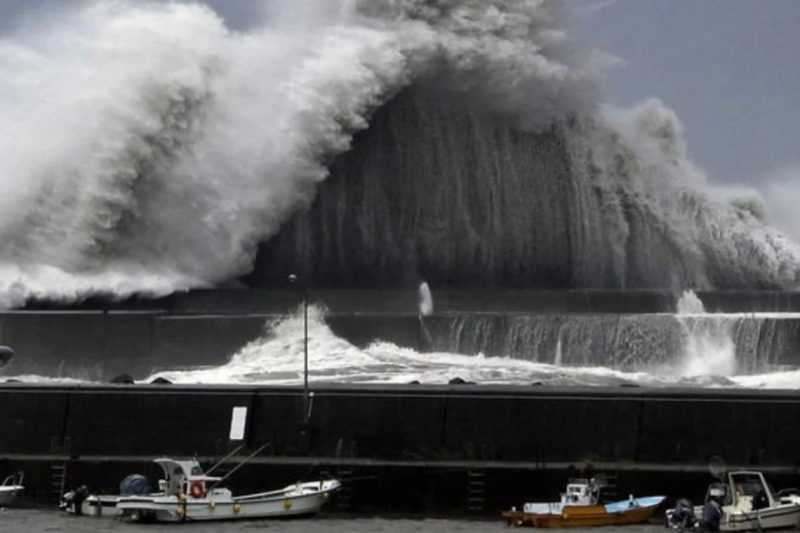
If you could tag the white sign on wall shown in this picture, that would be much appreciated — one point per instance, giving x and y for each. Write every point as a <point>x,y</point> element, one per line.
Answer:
<point>238,423</point>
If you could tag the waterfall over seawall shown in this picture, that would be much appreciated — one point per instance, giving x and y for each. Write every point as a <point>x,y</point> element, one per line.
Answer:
<point>252,336</point>
<point>654,342</point>
<point>369,143</point>
<point>439,189</point>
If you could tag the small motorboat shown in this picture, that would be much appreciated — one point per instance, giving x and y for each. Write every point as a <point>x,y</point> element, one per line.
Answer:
<point>80,502</point>
<point>11,488</point>
<point>580,507</point>
<point>740,501</point>
<point>187,494</point>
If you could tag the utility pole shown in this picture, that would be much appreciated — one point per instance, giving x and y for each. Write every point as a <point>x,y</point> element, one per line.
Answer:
<point>306,396</point>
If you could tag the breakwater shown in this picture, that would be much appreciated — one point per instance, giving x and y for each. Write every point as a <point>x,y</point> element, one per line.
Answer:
<point>629,330</point>
<point>411,447</point>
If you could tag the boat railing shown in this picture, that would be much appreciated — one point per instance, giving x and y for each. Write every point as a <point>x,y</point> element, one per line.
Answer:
<point>15,479</point>
<point>246,497</point>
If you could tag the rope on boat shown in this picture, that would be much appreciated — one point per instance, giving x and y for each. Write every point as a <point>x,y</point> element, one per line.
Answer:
<point>236,450</point>
<point>237,467</point>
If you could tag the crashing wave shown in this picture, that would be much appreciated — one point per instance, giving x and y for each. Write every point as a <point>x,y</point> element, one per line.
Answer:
<point>149,148</point>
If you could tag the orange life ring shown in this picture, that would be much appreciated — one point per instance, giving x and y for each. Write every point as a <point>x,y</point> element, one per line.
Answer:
<point>197,489</point>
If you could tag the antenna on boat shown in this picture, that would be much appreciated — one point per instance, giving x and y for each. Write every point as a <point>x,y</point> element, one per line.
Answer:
<point>716,466</point>
<point>216,465</point>
<point>237,467</point>
<point>306,397</point>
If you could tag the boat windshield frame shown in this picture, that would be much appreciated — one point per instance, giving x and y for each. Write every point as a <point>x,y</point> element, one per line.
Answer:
<point>748,484</point>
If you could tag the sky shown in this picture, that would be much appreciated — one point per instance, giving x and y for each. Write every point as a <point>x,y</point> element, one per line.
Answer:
<point>729,68</point>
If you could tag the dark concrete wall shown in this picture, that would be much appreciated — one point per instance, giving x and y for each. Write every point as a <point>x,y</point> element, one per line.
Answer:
<point>410,448</point>
<point>531,424</point>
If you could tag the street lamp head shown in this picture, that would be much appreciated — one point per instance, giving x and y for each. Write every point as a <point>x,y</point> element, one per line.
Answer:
<point>292,278</point>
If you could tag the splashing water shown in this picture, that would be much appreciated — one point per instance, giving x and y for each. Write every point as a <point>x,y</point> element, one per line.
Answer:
<point>559,355</point>
<point>710,349</point>
<point>425,300</point>
<point>690,304</point>
<point>277,358</point>
<point>143,152</point>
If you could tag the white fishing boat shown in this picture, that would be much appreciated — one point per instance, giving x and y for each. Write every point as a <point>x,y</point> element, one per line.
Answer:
<point>188,494</point>
<point>744,501</point>
<point>11,488</point>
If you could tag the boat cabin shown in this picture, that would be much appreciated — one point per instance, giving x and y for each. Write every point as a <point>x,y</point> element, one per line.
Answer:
<point>183,477</point>
<point>744,491</point>
<point>582,492</point>
<point>749,491</point>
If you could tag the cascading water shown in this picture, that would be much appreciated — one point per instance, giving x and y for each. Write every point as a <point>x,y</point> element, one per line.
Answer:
<point>148,148</point>
<point>143,151</point>
<point>558,359</point>
<point>277,358</point>
<point>709,346</point>
<point>425,307</point>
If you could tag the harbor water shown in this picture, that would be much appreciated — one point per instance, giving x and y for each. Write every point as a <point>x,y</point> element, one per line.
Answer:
<point>36,521</point>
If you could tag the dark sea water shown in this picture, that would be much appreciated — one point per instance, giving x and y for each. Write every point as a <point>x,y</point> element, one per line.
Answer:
<point>36,521</point>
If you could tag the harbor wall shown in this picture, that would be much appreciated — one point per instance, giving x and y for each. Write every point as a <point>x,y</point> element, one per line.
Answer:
<point>98,345</point>
<point>516,435</point>
<point>242,301</point>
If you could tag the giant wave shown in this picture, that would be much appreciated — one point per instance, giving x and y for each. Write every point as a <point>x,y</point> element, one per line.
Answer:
<point>149,148</point>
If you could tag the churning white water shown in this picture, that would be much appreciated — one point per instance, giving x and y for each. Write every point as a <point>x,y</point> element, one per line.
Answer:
<point>147,147</point>
<point>277,358</point>
<point>709,346</point>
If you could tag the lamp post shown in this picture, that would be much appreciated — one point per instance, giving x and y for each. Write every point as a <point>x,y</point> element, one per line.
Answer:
<point>293,280</point>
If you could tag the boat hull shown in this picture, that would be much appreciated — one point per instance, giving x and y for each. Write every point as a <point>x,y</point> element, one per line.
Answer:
<point>588,516</point>
<point>8,494</point>
<point>619,513</point>
<point>288,503</point>
<point>782,517</point>
<point>100,506</point>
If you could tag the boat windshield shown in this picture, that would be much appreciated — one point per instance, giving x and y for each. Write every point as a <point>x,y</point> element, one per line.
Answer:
<point>747,484</point>
<point>750,486</point>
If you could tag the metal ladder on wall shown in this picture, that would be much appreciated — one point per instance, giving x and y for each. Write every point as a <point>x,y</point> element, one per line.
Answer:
<point>58,479</point>
<point>58,468</point>
<point>476,491</point>
<point>344,497</point>
<point>343,500</point>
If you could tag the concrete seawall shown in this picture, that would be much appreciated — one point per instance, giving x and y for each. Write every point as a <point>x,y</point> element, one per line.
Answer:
<point>96,345</point>
<point>527,439</point>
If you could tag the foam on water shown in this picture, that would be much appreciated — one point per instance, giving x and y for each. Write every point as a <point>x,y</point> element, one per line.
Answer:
<point>143,150</point>
<point>709,346</point>
<point>277,358</point>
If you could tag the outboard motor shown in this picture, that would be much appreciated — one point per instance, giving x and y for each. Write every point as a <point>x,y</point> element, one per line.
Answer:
<point>6,354</point>
<point>712,514</point>
<point>73,500</point>
<point>682,516</point>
